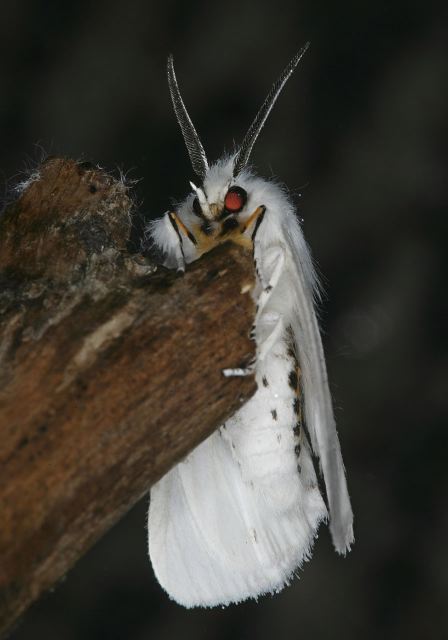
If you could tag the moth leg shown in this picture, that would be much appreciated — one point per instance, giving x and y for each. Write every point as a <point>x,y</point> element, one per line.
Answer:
<point>180,226</point>
<point>239,372</point>
<point>257,217</point>
<point>262,300</point>
<point>180,256</point>
<point>273,337</point>
<point>273,280</point>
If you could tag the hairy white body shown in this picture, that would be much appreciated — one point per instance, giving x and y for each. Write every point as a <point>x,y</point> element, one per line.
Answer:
<point>238,516</point>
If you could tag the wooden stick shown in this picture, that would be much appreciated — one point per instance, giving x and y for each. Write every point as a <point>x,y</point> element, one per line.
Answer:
<point>109,372</point>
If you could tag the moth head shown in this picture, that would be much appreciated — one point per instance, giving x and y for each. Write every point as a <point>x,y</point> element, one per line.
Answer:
<point>220,195</point>
<point>225,203</point>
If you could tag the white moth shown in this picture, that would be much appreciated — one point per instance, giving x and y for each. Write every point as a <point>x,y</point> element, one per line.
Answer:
<point>238,516</point>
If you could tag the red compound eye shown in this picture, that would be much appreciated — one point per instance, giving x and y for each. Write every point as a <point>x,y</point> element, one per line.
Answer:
<point>235,199</point>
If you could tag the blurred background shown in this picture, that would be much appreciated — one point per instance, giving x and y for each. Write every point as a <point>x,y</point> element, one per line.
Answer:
<point>360,137</point>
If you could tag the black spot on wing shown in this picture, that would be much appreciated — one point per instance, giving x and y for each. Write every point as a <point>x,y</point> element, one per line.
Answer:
<point>293,380</point>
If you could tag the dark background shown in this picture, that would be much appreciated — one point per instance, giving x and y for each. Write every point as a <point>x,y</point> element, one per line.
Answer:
<point>359,136</point>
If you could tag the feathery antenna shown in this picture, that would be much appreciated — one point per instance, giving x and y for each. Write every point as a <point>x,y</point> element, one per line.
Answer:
<point>193,144</point>
<point>242,157</point>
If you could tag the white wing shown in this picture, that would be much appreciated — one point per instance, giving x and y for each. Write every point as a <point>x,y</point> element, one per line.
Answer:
<point>220,531</point>
<point>299,311</point>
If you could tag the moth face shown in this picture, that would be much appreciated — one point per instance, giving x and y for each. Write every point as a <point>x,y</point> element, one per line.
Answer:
<point>226,217</point>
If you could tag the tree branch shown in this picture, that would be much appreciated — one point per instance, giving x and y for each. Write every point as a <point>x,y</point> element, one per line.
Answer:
<point>110,371</point>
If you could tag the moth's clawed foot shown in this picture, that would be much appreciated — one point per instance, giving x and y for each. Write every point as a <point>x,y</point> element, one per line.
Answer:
<point>180,269</point>
<point>240,372</point>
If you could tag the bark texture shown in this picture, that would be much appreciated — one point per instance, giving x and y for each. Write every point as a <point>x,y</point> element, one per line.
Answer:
<point>110,369</point>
